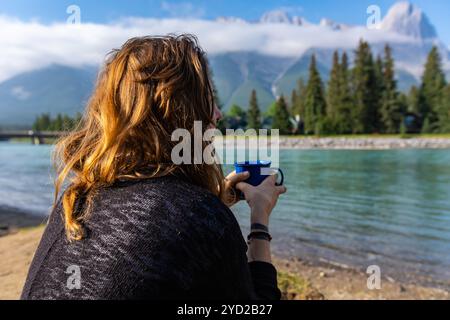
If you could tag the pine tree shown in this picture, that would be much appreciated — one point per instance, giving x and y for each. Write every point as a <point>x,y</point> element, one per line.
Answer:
<point>444,115</point>
<point>271,110</point>
<point>315,105</point>
<point>391,106</point>
<point>37,124</point>
<point>57,124</point>
<point>426,127</point>
<point>377,93</point>
<point>431,91</point>
<point>236,111</point>
<point>379,73</point>
<point>366,95</point>
<point>339,99</point>
<point>281,117</point>
<point>294,99</point>
<point>298,108</point>
<point>236,117</point>
<point>414,100</point>
<point>43,123</point>
<point>334,89</point>
<point>253,113</point>
<point>345,107</point>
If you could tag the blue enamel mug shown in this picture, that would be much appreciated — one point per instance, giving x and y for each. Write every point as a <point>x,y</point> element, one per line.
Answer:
<point>259,171</point>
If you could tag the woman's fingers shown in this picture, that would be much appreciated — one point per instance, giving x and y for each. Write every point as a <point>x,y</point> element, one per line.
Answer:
<point>242,186</point>
<point>281,189</point>
<point>233,178</point>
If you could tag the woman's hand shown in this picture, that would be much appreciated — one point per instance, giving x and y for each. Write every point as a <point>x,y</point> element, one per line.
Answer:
<point>262,199</point>
<point>230,195</point>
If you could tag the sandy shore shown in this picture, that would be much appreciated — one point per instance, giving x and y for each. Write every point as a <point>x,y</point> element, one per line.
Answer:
<point>301,280</point>
<point>297,279</point>
<point>16,252</point>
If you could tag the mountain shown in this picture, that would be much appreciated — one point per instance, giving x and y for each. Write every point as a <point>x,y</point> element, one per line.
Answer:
<point>55,89</point>
<point>236,74</point>
<point>407,19</point>
<point>324,22</point>
<point>403,18</point>
<point>287,81</point>
<point>281,16</point>
<point>65,89</point>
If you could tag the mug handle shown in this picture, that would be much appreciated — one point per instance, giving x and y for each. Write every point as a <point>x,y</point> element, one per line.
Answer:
<point>241,196</point>
<point>282,177</point>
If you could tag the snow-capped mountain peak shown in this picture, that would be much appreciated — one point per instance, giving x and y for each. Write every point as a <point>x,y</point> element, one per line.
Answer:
<point>281,16</point>
<point>408,19</point>
<point>332,24</point>
<point>275,16</point>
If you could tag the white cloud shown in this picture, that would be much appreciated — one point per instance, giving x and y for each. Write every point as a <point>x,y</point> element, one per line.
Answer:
<point>32,45</point>
<point>20,93</point>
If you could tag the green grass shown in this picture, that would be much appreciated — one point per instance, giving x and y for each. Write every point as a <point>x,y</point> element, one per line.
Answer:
<point>375,136</point>
<point>364,136</point>
<point>294,287</point>
<point>20,140</point>
<point>347,136</point>
<point>28,140</point>
<point>31,228</point>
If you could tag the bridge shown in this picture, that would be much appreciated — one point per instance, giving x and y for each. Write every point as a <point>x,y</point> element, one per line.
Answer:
<point>37,137</point>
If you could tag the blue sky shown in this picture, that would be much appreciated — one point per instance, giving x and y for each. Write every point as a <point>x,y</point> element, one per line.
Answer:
<point>104,11</point>
<point>34,34</point>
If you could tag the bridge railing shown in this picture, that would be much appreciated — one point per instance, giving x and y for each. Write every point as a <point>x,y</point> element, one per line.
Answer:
<point>37,137</point>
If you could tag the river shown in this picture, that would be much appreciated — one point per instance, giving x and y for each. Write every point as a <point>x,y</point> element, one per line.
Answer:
<point>387,208</point>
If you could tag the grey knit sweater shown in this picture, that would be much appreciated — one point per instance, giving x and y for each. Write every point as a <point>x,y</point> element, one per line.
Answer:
<point>151,239</point>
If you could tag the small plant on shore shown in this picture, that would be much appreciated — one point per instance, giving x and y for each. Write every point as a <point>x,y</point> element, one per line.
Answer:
<point>294,287</point>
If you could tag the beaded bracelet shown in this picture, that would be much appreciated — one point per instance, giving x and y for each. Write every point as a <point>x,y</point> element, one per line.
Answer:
<point>259,227</point>
<point>261,235</point>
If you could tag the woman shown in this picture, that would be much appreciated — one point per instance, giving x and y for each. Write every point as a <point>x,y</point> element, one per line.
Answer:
<point>133,225</point>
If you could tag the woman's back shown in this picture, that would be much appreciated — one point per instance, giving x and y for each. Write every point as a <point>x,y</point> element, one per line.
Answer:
<point>155,239</point>
<point>152,236</point>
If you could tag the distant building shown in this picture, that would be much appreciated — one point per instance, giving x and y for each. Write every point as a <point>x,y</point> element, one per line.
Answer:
<point>412,122</point>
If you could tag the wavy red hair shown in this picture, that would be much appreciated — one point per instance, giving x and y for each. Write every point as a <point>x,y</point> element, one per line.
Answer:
<point>147,89</point>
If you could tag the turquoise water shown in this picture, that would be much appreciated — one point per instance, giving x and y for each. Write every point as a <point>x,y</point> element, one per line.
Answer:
<point>26,178</point>
<point>388,208</point>
<point>360,208</point>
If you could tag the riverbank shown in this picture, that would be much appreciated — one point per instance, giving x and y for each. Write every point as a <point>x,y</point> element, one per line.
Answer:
<point>297,279</point>
<point>303,280</point>
<point>352,142</point>
<point>345,142</point>
<point>12,220</point>
<point>366,142</point>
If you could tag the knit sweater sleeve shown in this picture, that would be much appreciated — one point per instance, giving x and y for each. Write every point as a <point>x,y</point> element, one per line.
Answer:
<point>258,279</point>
